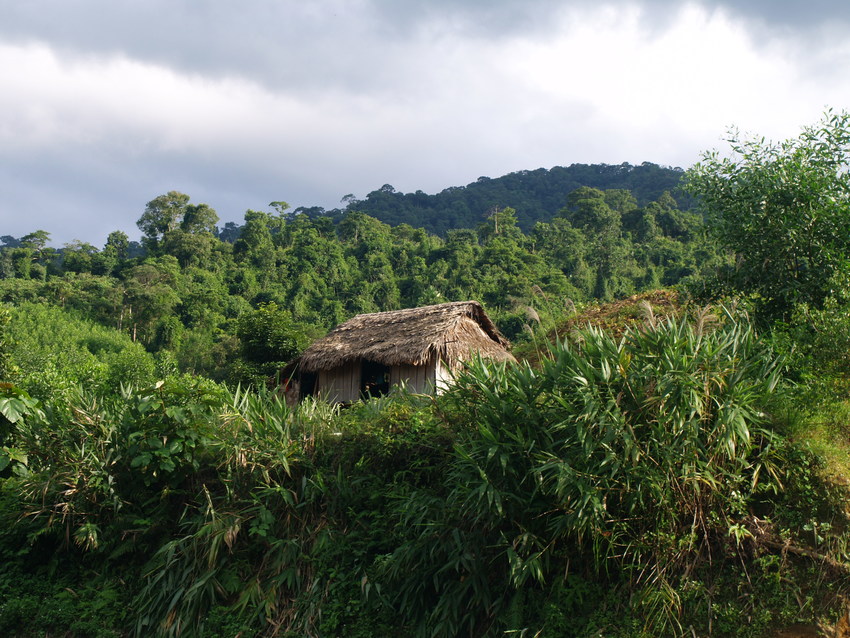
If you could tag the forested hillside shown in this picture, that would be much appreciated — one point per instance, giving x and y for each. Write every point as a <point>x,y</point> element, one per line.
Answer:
<point>670,463</point>
<point>535,195</point>
<point>200,299</point>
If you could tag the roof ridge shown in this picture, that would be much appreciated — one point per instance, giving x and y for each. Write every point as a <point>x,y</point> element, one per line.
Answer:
<point>421,308</point>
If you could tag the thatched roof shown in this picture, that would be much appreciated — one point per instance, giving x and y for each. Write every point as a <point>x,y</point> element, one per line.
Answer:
<point>452,331</point>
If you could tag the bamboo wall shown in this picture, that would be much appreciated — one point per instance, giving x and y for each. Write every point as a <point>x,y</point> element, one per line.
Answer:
<point>342,384</point>
<point>417,378</point>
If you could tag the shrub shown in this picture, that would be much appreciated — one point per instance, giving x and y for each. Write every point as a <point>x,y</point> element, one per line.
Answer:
<point>634,455</point>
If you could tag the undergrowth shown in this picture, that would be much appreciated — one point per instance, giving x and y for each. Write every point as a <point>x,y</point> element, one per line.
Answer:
<point>644,485</point>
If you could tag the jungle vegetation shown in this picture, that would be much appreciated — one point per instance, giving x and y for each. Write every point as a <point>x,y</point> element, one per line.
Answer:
<point>670,456</point>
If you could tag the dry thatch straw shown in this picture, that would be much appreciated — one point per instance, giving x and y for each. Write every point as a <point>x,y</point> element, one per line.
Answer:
<point>451,331</point>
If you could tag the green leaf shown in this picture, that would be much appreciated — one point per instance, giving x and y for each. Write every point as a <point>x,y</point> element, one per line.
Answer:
<point>142,460</point>
<point>14,408</point>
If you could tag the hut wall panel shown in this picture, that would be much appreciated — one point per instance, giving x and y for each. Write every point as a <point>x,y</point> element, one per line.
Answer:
<point>417,378</point>
<point>442,376</point>
<point>342,384</point>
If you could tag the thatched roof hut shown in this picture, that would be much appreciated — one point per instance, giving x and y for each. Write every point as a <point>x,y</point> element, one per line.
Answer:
<point>420,346</point>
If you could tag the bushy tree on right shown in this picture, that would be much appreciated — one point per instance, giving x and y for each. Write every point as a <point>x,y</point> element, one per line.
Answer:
<point>783,210</point>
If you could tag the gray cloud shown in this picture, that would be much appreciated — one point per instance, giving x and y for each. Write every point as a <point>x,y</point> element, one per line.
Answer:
<point>354,47</point>
<point>791,13</point>
<point>288,45</point>
<point>240,105</point>
<point>88,196</point>
<point>283,44</point>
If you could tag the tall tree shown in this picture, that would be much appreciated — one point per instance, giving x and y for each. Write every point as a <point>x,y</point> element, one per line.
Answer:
<point>199,218</point>
<point>114,252</point>
<point>255,244</point>
<point>609,252</point>
<point>119,242</point>
<point>162,214</point>
<point>783,209</point>
<point>149,294</point>
<point>36,240</point>
<point>78,256</point>
<point>268,340</point>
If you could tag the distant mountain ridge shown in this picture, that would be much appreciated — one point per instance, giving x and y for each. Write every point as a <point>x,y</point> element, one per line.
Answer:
<point>537,195</point>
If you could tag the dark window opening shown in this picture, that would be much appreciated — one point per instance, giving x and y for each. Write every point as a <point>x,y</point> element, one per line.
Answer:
<point>374,379</point>
<point>308,384</point>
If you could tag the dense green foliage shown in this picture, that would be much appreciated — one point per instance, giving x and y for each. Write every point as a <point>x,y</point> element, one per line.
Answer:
<point>783,209</point>
<point>56,350</point>
<point>629,457</point>
<point>201,302</point>
<point>665,479</point>
<point>521,500</point>
<point>535,195</point>
<point>6,370</point>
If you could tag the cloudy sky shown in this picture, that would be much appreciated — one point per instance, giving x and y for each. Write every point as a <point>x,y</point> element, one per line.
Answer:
<point>105,105</point>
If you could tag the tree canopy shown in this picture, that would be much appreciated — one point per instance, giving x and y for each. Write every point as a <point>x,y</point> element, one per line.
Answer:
<point>192,293</point>
<point>783,209</point>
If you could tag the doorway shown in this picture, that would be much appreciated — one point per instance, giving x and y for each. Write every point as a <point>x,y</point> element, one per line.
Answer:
<point>374,379</point>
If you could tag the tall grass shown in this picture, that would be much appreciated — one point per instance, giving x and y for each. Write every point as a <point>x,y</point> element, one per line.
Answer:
<point>635,456</point>
<point>212,484</point>
<point>626,463</point>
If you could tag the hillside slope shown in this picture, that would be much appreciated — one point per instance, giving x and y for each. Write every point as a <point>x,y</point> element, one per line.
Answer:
<point>537,195</point>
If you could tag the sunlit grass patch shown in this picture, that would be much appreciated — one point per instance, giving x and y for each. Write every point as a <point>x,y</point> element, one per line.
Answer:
<point>827,433</point>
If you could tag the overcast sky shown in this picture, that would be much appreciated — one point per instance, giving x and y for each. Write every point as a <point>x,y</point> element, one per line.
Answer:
<point>105,105</point>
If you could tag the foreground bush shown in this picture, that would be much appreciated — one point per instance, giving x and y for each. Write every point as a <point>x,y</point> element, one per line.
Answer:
<point>630,459</point>
<point>214,505</point>
<point>609,491</point>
